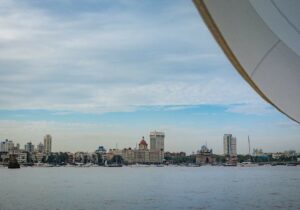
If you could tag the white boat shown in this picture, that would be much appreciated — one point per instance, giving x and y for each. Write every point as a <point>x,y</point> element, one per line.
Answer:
<point>248,164</point>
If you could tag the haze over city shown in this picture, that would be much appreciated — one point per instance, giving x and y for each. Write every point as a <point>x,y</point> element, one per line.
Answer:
<point>107,74</point>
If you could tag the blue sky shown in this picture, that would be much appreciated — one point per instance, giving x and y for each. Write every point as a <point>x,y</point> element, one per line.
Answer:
<point>95,73</point>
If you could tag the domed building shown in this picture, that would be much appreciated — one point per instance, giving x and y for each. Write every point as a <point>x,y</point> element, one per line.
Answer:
<point>142,154</point>
<point>143,144</point>
<point>204,156</point>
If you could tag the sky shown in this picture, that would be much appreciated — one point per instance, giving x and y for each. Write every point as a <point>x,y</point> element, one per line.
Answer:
<point>96,73</point>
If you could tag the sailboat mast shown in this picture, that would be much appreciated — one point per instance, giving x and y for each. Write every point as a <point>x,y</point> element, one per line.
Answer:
<point>249,145</point>
<point>249,148</point>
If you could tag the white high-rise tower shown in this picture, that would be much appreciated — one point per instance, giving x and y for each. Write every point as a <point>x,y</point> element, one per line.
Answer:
<point>157,141</point>
<point>229,145</point>
<point>47,144</point>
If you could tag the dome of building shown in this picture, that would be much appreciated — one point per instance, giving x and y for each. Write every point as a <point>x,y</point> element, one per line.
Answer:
<point>143,142</point>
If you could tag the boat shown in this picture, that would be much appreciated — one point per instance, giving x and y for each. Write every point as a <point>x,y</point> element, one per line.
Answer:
<point>13,163</point>
<point>229,164</point>
<point>114,165</point>
<point>248,164</point>
<point>292,164</point>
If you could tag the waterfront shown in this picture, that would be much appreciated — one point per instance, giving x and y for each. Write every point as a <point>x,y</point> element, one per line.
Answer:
<point>168,187</point>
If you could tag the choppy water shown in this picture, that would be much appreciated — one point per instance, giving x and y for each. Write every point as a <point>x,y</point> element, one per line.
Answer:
<point>150,188</point>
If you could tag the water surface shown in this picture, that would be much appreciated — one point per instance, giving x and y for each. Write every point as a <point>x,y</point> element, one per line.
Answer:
<point>125,188</point>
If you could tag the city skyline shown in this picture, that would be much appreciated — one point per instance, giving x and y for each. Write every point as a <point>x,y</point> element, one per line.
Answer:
<point>155,141</point>
<point>103,74</point>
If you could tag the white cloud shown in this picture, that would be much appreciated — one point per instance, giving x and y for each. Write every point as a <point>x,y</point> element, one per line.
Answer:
<point>252,109</point>
<point>97,61</point>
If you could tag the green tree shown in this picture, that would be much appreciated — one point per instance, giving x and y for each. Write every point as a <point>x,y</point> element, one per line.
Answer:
<point>117,159</point>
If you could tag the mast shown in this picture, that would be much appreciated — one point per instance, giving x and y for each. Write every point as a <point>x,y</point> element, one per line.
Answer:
<point>249,148</point>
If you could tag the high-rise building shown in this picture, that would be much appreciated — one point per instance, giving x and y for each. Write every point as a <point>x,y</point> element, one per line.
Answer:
<point>157,141</point>
<point>230,149</point>
<point>18,147</point>
<point>157,145</point>
<point>6,146</point>
<point>2,146</point>
<point>229,145</point>
<point>29,147</point>
<point>47,144</point>
<point>40,147</point>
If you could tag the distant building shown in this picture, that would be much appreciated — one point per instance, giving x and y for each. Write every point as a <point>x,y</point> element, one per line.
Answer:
<point>204,156</point>
<point>258,152</point>
<point>113,152</point>
<point>277,155</point>
<point>142,154</point>
<point>156,156</point>
<point>290,153</point>
<point>17,147</point>
<point>47,144</point>
<point>157,141</point>
<point>2,146</point>
<point>22,157</point>
<point>71,158</point>
<point>230,148</point>
<point>82,157</point>
<point>40,148</point>
<point>157,146</point>
<point>29,147</point>
<point>143,144</point>
<point>6,146</point>
<point>38,157</point>
<point>229,145</point>
<point>101,150</point>
<point>128,155</point>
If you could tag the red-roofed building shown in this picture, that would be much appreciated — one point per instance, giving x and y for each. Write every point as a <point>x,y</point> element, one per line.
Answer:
<point>143,144</point>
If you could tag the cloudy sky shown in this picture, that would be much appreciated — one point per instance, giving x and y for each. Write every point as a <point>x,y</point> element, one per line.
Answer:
<point>95,73</point>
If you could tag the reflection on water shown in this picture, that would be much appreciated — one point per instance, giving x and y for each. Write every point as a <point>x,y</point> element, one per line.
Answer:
<point>150,188</point>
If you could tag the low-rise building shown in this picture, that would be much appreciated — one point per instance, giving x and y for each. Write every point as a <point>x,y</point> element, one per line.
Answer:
<point>22,157</point>
<point>277,155</point>
<point>71,158</point>
<point>128,155</point>
<point>39,156</point>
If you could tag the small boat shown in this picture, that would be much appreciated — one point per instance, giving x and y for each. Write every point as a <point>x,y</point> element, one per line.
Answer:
<point>114,165</point>
<point>291,164</point>
<point>248,164</point>
<point>229,164</point>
